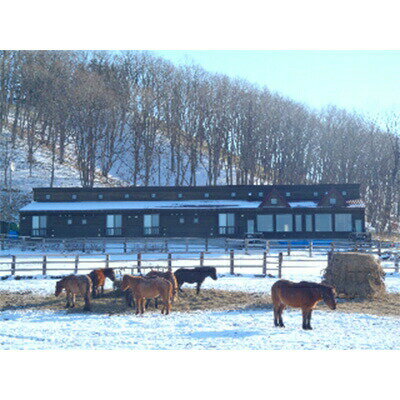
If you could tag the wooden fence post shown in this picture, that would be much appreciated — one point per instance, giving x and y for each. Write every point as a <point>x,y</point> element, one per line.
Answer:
<point>202,259</point>
<point>169,261</point>
<point>206,244</point>
<point>44,265</point>
<point>289,247</point>
<point>267,246</point>
<point>76,264</point>
<point>396,263</point>
<point>139,263</point>
<point>84,246</point>
<point>125,247</point>
<point>166,245</point>
<point>232,262</point>
<point>246,246</point>
<point>226,245</point>
<point>332,247</point>
<point>264,268</point>
<point>280,261</point>
<point>311,248</point>
<point>13,265</point>
<point>107,261</point>
<point>104,246</point>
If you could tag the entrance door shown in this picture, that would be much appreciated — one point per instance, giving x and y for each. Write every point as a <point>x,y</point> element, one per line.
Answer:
<point>250,226</point>
<point>358,223</point>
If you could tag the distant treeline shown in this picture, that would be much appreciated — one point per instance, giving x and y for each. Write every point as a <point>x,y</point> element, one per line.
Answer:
<point>131,109</point>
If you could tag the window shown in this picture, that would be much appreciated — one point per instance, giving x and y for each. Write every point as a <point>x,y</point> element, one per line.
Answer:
<point>226,224</point>
<point>153,195</point>
<point>48,197</point>
<point>359,225</point>
<point>274,201</point>
<point>39,225</point>
<point>180,195</point>
<point>343,223</point>
<point>84,221</point>
<point>100,197</point>
<point>299,222</point>
<point>344,193</point>
<point>323,223</point>
<point>315,194</point>
<point>260,194</point>
<point>181,220</point>
<point>126,195</point>
<point>233,194</point>
<point>151,223</point>
<point>196,220</point>
<point>284,223</point>
<point>287,194</point>
<point>332,201</point>
<point>74,197</point>
<point>69,221</point>
<point>114,225</point>
<point>265,223</point>
<point>206,195</point>
<point>309,223</point>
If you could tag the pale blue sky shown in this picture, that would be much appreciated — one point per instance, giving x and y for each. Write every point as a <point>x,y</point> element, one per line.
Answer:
<point>363,81</point>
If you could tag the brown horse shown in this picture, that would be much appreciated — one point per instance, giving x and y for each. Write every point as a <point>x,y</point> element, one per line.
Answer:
<point>73,285</point>
<point>98,277</point>
<point>304,295</point>
<point>169,276</point>
<point>148,288</point>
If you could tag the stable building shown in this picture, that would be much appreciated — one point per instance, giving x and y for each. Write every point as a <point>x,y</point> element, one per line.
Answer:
<point>272,211</point>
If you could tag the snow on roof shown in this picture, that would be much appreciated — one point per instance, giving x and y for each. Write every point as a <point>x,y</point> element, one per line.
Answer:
<point>303,204</point>
<point>137,205</point>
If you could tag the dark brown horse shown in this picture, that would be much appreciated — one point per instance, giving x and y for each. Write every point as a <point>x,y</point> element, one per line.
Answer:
<point>304,295</point>
<point>169,276</point>
<point>73,285</point>
<point>98,277</point>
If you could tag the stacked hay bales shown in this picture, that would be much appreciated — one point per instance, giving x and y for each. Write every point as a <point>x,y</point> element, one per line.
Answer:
<point>355,275</point>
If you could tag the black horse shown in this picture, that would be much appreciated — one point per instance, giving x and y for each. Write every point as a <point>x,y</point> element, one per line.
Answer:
<point>195,275</point>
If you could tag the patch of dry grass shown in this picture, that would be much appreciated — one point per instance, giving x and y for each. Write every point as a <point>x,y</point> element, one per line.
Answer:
<point>113,303</point>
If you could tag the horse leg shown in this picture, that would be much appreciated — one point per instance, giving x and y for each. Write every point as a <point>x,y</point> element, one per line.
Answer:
<point>305,319</point>
<point>142,306</point>
<point>198,287</point>
<point>73,300</point>
<point>68,302</point>
<point>87,303</point>
<point>137,301</point>
<point>180,287</point>
<point>102,289</point>
<point>309,320</point>
<point>276,313</point>
<point>280,312</point>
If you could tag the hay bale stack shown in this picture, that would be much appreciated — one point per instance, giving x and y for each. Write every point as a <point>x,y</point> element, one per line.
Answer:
<point>355,275</point>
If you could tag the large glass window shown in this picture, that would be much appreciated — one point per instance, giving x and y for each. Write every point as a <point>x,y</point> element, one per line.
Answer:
<point>114,225</point>
<point>151,224</point>
<point>299,222</point>
<point>226,224</point>
<point>309,223</point>
<point>265,223</point>
<point>343,223</point>
<point>284,223</point>
<point>39,225</point>
<point>323,223</point>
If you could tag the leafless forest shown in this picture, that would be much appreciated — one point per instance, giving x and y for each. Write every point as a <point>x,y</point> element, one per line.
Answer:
<point>161,123</point>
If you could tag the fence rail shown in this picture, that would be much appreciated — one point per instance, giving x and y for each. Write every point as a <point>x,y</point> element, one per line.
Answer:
<point>264,263</point>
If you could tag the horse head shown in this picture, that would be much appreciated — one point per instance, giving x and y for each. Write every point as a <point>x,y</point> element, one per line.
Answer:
<point>213,273</point>
<point>109,273</point>
<point>59,288</point>
<point>125,283</point>
<point>329,296</point>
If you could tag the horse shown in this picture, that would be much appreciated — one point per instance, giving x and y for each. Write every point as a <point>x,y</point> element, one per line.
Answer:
<point>148,288</point>
<point>304,295</point>
<point>195,275</point>
<point>169,276</point>
<point>73,285</point>
<point>98,277</point>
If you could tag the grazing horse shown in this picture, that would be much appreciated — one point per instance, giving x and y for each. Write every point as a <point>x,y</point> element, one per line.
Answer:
<point>73,285</point>
<point>98,277</point>
<point>169,276</point>
<point>148,288</point>
<point>304,295</point>
<point>195,275</point>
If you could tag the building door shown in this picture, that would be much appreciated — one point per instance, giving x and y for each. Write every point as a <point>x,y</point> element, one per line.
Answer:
<point>250,226</point>
<point>358,225</point>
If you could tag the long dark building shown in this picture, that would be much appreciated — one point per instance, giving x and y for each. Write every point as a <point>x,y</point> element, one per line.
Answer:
<point>278,211</point>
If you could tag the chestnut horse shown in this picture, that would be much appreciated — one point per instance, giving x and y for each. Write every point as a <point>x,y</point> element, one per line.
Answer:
<point>148,288</point>
<point>304,295</point>
<point>169,276</point>
<point>73,285</point>
<point>98,277</point>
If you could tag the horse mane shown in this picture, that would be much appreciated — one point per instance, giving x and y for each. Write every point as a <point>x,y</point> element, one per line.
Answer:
<point>313,285</point>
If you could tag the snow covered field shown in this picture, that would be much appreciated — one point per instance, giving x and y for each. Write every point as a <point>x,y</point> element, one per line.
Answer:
<point>197,330</point>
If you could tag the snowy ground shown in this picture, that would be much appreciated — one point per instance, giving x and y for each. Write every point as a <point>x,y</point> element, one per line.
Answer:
<point>199,330</point>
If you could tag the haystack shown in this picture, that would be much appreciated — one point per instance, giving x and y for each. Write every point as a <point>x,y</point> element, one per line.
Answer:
<point>355,275</point>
